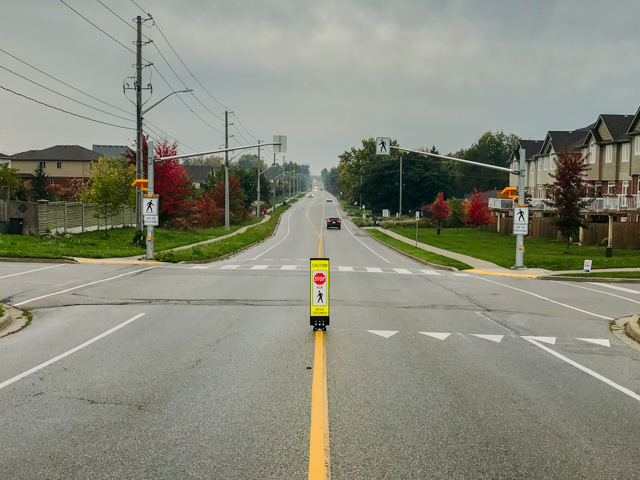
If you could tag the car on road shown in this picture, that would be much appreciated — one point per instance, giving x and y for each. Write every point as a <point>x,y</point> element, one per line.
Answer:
<point>310,195</point>
<point>334,222</point>
<point>329,200</point>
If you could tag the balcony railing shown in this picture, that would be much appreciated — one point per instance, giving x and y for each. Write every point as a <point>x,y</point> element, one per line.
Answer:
<point>619,203</point>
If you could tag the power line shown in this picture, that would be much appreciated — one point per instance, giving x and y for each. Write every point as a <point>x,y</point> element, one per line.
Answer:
<point>64,83</point>
<point>122,19</point>
<point>65,111</point>
<point>65,96</point>
<point>143,10</point>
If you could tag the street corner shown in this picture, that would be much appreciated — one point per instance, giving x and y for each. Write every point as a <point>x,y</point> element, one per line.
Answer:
<point>627,330</point>
<point>13,320</point>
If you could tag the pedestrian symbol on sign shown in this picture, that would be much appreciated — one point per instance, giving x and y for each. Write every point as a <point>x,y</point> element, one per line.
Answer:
<point>320,297</point>
<point>150,205</point>
<point>383,145</point>
<point>521,216</point>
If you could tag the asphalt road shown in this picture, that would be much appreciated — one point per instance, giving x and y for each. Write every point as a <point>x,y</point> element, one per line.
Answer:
<point>214,379</point>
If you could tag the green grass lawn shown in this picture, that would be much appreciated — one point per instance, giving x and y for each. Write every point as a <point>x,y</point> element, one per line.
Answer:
<point>603,275</point>
<point>539,252</point>
<point>418,252</point>
<point>215,250</point>
<point>100,245</point>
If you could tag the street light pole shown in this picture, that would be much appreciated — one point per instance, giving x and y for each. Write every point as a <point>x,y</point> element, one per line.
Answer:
<point>258,194</point>
<point>150,192</point>
<point>227,227</point>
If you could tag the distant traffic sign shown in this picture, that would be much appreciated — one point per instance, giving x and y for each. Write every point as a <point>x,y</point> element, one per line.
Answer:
<point>319,307</point>
<point>520,220</point>
<point>383,145</point>
<point>417,215</point>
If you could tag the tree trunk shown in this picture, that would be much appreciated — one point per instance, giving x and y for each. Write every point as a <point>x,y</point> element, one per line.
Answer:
<point>568,239</point>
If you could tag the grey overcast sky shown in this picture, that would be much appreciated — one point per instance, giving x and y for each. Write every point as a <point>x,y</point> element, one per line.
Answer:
<point>325,73</point>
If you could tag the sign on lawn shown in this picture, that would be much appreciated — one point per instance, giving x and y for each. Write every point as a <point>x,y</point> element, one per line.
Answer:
<point>520,220</point>
<point>587,266</point>
<point>417,215</point>
<point>319,302</point>
<point>385,213</point>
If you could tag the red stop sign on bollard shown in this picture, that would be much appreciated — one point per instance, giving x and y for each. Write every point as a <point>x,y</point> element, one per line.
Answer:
<point>319,278</point>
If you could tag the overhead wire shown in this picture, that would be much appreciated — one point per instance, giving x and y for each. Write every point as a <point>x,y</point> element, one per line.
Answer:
<point>65,111</point>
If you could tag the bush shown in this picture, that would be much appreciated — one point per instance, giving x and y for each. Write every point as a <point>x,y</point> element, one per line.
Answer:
<point>139,239</point>
<point>406,222</point>
<point>604,242</point>
<point>363,222</point>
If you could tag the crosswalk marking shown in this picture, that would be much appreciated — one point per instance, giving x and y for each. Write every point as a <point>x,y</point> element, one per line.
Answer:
<point>201,267</point>
<point>374,270</point>
<point>493,338</point>
<point>616,287</point>
<point>460,274</point>
<point>598,341</point>
<point>288,267</point>
<point>229,267</point>
<point>430,272</point>
<point>259,267</point>
<point>345,269</point>
<point>403,270</point>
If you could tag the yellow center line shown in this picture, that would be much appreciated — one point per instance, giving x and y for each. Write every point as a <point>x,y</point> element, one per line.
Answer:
<point>319,236</point>
<point>319,465</point>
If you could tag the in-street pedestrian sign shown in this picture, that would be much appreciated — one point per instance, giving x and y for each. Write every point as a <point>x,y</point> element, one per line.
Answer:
<point>520,220</point>
<point>319,304</point>
<point>150,210</point>
<point>383,145</point>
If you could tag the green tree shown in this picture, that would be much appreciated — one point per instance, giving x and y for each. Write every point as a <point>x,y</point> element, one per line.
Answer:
<point>9,178</point>
<point>110,186</point>
<point>39,184</point>
<point>457,216</point>
<point>493,149</point>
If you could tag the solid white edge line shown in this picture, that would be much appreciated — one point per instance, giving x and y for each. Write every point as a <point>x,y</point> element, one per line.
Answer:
<point>80,286</point>
<point>31,271</point>
<point>6,383</point>
<point>285,237</point>
<point>602,378</point>
<point>596,290</point>
<point>366,246</point>
<point>544,298</point>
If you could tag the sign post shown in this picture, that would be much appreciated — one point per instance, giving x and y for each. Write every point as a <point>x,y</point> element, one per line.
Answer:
<point>520,220</point>
<point>417,220</point>
<point>319,304</point>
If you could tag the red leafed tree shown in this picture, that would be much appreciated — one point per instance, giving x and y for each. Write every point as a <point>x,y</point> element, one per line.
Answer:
<point>171,182</point>
<point>478,212</point>
<point>440,209</point>
<point>237,212</point>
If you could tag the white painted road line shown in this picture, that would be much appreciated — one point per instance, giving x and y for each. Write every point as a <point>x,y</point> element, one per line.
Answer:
<point>345,269</point>
<point>615,287</point>
<point>288,267</point>
<point>493,338</point>
<point>459,274</point>
<point>259,267</point>
<point>31,271</point>
<point>366,246</point>
<point>80,286</point>
<point>544,298</point>
<point>602,378</point>
<point>285,237</point>
<point>598,341</point>
<point>384,333</point>
<point>403,271</point>
<point>430,272</point>
<point>374,270</point>
<point>438,335</point>
<point>6,383</point>
<point>229,267</point>
<point>201,267</point>
<point>599,291</point>
<point>549,340</point>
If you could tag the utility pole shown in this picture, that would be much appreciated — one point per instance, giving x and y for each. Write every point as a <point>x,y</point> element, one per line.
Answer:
<point>226,172</point>
<point>258,195</point>
<point>521,188</point>
<point>360,204</point>
<point>139,120</point>
<point>150,191</point>
<point>274,183</point>
<point>400,184</point>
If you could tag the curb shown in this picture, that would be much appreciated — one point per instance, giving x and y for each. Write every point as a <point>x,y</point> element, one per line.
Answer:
<point>13,320</point>
<point>590,279</point>
<point>237,252</point>
<point>633,329</point>
<point>36,260</point>
<point>405,254</point>
<point>6,319</point>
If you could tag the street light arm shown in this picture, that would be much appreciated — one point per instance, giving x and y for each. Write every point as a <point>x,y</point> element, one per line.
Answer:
<point>211,152</point>
<point>164,98</point>
<point>470,162</point>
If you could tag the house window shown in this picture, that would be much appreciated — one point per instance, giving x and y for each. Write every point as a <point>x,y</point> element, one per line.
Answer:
<point>636,142</point>
<point>598,189</point>
<point>52,181</point>
<point>43,164</point>
<point>625,187</point>
<point>592,153</point>
<point>539,161</point>
<point>546,163</point>
<point>625,152</point>
<point>59,165</point>
<point>532,169</point>
<point>611,188</point>
<point>608,154</point>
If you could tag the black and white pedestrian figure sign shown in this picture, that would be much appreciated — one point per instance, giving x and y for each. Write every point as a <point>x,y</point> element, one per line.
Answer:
<point>150,208</point>
<point>520,220</point>
<point>319,308</point>
<point>383,145</point>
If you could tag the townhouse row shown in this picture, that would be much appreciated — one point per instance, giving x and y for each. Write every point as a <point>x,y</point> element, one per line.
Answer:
<point>611,149</point>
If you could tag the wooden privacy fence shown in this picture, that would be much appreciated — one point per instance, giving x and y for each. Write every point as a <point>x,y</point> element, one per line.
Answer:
<point>43,217</point>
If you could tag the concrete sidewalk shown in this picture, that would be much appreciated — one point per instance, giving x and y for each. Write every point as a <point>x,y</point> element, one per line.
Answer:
<point>137,258</point>
<point>479,266</point>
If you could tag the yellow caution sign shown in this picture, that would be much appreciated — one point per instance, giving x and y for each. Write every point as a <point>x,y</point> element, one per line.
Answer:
<point>319,293</point>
